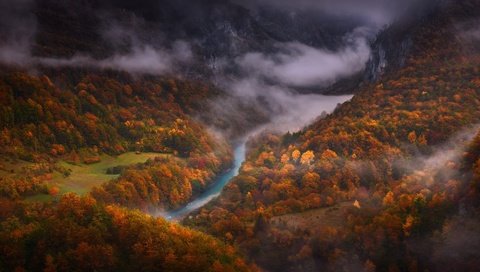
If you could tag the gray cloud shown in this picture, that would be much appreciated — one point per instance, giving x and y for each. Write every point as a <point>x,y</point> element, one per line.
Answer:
<point>131,52</point>
<point>469,30</point>
<point>457,246</point>
<point>268,82</point>
<point>299,65</point>
<point>141,60</point>
<point>17,29</point>
<point>379,12</point>
<point>288,110</point>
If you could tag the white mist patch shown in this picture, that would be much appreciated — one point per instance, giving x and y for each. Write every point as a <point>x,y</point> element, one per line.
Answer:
<point>141,60</point>
<point>302,110</point>
<point>299,65</point>
<point>443,164</point>
<point>379,12</point>
<point>289,110</point>
<point>18,27</point>
<point>13,54</point>
<point>17,31</point>
<point>452,150</point>
<point>469,30</point>
<point>269,80</point>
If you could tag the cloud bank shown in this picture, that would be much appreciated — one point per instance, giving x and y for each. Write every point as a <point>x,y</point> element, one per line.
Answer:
<point>17,31</point>
<point>268,83</point>
<point>141,60</point>
<point>379,12</point>
<point>18,28</point>
<point>299,65</point>
<point>288,110</point>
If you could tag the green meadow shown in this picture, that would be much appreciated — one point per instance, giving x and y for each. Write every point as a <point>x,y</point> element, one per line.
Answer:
<point>83,177</point>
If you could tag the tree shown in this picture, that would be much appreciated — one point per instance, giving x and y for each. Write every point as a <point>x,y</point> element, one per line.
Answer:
<point>329,154</point>
<point>53,191</point>
<point>307,157</point>
<point>296,155</point>
<point>389,199</point>
<point>49,264</point>
<point>412,137</point>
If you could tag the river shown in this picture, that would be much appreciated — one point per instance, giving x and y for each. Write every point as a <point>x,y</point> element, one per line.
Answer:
<point>214,190</point>
<point>302,110</point>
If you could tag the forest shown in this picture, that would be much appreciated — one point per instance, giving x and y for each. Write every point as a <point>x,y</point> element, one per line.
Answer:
<point>375,186</point>
<point>95,152</point>
<point>78,119</point>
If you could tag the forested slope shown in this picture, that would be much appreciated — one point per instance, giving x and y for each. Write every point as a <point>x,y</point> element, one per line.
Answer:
<point>388,162</point>
<point>78,119</point>
<point>83,115</point>
<point>78,234</point>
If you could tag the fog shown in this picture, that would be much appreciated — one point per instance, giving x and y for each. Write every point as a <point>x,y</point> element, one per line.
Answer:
<point>452,150</point>
<point>443,162</point>
<point>130,52</point>
<point>17,30</point>
<point>469,30</point>
<point>267,81</point>
<point>379,12</point>
<point>287,110</point>
<point>299,65</point>
<point>141,60</point>
<point>458,244</point>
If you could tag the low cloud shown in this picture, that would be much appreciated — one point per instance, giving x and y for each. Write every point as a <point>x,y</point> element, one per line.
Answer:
<point>299,65</point>
<point>130,51</point>
<point>442,164</point>
<point>287,109</point>
<point>458,245</point>
<point>268,83</point>
<point>452,150</point>
<point>469,30</point>
<point>378,12</point>
<point>141,60</point>
<point>17,29</point>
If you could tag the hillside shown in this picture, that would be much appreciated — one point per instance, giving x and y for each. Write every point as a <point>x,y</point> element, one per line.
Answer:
<point>393,152</point>
<point>86,120</point>
<point>114,114</point>
<point>78,234</point>
<point>76,121</point>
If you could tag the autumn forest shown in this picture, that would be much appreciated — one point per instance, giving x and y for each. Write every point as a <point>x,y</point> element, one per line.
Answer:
<point>235,135</point>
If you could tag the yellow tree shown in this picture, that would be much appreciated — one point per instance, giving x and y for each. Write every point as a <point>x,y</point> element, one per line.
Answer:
<point>307,157</point>
<point>296,155</point>
<point>412,137</point>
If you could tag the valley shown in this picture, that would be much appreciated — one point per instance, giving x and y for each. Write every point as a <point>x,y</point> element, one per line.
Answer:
<point>240,135</point>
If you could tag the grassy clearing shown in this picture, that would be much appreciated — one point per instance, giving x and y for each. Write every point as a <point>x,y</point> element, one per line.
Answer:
<point>11,168</point>
<point>309,220</point>
<point>84,177</point>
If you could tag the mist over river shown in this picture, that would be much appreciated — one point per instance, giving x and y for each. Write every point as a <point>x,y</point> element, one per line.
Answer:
<point>302,110</point>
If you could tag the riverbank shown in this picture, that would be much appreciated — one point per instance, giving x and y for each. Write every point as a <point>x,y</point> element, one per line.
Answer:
<point>214,190</point>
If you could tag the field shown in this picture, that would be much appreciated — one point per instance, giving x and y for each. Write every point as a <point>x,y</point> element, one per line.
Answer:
<point>309,220</point>
<point>83,177</point>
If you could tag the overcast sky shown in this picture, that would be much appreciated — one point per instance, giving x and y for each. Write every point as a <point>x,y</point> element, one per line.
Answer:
<point>377,11</point>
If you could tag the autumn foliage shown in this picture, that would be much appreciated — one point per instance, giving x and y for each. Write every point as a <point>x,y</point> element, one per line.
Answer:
<point>362,176</point>
<point>78,234</point>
